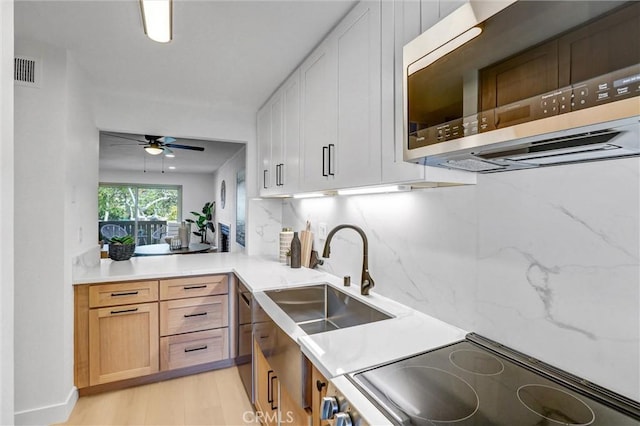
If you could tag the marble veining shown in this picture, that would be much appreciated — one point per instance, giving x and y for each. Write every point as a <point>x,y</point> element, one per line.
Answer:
<point>546,261</point>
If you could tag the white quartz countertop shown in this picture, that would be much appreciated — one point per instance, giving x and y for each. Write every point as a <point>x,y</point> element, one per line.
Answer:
<point>335,352</point>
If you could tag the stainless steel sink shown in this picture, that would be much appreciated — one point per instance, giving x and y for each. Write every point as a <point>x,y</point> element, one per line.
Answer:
<point>320,308</point>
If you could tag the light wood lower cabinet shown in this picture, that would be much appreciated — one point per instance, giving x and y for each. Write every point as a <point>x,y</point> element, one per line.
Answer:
<point>145,329</point>
<point>273,403</point>
<point>266,389</point>
<point>123,342</point>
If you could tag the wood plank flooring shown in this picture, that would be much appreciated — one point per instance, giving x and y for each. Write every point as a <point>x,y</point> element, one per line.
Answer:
<point>211,398</point>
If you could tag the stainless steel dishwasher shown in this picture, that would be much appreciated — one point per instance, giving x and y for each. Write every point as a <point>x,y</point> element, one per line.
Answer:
<point>244,339</point>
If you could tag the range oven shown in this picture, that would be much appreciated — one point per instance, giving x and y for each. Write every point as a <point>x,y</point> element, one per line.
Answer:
<point>480,382</point>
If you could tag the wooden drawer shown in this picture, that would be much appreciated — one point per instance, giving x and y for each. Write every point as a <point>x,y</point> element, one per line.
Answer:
<point>189,349</point>
<point>194,314</point>
<point>122,293</point>
<point>179,288</point>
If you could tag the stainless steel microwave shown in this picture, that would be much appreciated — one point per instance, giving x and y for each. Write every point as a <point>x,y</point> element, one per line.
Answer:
<point>507,85</point>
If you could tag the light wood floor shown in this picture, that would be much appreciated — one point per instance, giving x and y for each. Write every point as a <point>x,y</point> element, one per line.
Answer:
<point>211,398</point>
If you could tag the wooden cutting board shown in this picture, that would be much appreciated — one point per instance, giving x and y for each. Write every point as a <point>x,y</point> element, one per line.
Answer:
<point>306,242</point>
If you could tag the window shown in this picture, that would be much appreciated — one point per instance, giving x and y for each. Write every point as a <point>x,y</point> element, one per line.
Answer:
<point>141,210</point>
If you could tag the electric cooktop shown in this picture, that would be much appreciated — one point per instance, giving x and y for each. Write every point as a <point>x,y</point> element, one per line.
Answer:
<point>479,382</point>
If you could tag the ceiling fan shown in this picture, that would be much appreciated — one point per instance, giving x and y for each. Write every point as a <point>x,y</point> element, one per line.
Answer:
<point>155,145</point>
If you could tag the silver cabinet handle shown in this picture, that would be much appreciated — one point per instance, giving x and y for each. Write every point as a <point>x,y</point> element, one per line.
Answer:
<point>331,172</point>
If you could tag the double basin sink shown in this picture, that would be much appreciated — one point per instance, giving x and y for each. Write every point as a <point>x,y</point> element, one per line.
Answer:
<point>320,308</point>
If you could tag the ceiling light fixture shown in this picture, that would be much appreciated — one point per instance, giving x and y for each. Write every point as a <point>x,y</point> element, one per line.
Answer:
<point>157,19</point>
<point>153,149</point>
<point>172,167</point>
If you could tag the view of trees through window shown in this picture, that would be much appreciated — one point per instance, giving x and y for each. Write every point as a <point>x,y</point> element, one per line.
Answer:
<point>116,202</point>
<point>140,210</point>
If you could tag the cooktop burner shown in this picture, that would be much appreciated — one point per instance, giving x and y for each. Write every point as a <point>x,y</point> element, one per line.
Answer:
<point>468,383</point>
<point>476,362</point>
<point>449,398</point>
<point>555,405</point>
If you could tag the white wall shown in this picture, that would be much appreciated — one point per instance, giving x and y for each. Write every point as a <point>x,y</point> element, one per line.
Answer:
<point>545,261</point>
<point>227,215</point>
<point>6,214</point>
<point>56,160</point>
<point>197,188</point>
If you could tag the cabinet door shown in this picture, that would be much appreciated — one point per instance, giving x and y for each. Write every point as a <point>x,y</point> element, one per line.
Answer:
<point>277,141</point>
<point>356,159</point>
<point>123,342</point>
<point>264,149</point>
<point>290,161</point>
<point>266,389</point>
<point>404,27</point>
<point>429,13</point>
<point>319,97</point>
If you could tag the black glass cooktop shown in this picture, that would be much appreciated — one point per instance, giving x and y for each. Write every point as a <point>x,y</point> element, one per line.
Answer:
<point>467,383</point>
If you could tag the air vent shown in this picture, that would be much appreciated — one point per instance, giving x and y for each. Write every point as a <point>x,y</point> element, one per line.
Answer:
<point>27,71</point>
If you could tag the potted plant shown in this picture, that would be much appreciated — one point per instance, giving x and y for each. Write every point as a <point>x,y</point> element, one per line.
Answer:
<point>122,248</point>
<point>204,221</point>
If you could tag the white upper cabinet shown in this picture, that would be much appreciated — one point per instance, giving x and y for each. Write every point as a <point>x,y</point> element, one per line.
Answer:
<point>337,122</point>
<point>279,139</point>
<point>341,105</point>
<point>264,148</point>
<point>289,171</point>
<point>358,44</point>
<point>319,117</point>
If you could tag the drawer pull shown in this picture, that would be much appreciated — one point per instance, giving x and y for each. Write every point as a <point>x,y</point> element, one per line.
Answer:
<point>198,348</point>
<point>194,287</point>
<point>128,293</point>
<point>195,315</point>
<point>124,311</point>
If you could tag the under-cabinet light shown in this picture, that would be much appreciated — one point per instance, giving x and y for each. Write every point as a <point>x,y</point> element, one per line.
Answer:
<point>157,19</point>
<point>374,190</point>
<point>172,167</point>
<point>310,195</point>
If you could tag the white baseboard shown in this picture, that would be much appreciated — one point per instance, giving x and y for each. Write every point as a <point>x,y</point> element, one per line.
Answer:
<point>57,413</point>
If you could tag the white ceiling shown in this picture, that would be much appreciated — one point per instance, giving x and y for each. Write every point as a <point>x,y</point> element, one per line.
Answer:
<point>123,153</point>
<point>230,53</point>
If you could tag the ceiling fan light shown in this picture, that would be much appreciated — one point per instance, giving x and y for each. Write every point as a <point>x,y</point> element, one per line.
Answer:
<point>153,150</point>
<point>157,19</point>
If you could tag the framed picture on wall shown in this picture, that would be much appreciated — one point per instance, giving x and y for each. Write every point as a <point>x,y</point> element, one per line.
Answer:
<point>223,194</point>
<point>241,200</point>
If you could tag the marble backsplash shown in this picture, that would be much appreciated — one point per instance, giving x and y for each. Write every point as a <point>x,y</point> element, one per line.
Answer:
<point>545,261</point>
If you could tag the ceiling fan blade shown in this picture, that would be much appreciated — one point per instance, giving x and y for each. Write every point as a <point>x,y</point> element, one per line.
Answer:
<point>192,148</point>
<point>168,139</point>
<point>123,137</point>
